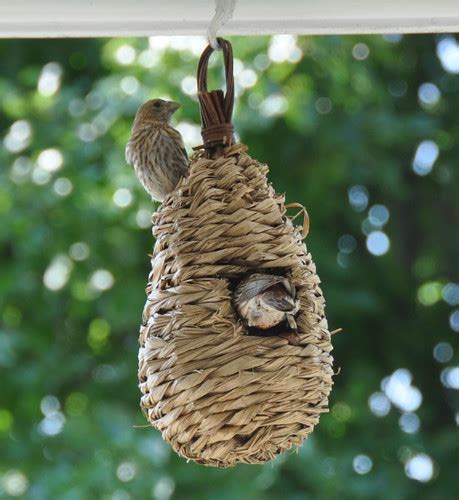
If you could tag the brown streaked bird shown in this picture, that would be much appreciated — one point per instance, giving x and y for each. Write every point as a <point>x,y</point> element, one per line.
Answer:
<point>156,150</point>
<point>265,300</point>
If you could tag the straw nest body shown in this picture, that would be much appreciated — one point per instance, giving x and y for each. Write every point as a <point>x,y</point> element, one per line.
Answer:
<point>218,395</point>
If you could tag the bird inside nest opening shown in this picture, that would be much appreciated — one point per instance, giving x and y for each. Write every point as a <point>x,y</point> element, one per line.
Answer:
<point>267,305</point>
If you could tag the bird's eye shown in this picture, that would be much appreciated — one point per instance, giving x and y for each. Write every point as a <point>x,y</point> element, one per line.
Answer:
<point>157,105</point>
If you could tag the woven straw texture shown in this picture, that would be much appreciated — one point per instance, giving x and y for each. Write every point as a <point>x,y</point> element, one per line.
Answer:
<point>217,395</point>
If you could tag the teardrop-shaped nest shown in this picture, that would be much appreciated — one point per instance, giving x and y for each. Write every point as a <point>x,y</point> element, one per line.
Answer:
<point>219,395</point>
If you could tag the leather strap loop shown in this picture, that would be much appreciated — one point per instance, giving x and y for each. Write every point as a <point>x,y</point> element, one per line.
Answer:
<point>216,107</point>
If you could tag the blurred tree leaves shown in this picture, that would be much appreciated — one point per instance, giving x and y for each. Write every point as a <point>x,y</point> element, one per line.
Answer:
<point>326,113</point>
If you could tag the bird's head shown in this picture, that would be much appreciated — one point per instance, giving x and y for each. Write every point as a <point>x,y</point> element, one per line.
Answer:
<point>156,110</point>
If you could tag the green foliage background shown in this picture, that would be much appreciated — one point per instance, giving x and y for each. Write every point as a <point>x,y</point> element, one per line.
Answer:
<point>79,344</point>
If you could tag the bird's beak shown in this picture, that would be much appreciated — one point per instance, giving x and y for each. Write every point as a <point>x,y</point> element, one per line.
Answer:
<point>172,106</point>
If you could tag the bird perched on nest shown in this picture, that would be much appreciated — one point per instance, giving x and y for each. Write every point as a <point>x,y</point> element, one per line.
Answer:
<point>156,150</point>
<point>264,300</point>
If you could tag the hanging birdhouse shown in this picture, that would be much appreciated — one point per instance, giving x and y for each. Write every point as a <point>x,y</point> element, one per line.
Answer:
<point>223,384</point>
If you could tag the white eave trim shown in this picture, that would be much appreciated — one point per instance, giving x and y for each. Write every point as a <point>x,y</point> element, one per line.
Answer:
<point>90,18</point>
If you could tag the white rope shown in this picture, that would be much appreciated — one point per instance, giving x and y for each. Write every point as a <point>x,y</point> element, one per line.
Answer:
<point>223,13</point>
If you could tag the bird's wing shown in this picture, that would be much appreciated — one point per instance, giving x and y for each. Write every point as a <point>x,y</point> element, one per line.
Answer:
<point>255,284</point>
<point>177,141</point>
<point>138,136</point>
<point>280,302</point>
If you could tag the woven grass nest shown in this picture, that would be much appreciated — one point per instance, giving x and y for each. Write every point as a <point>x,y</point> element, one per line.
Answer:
<point>218,393</point>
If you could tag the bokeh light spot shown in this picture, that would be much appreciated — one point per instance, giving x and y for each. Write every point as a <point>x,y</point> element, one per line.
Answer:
<point>378,215</point>
<point>49,404</point>
<point>360,51</point>
<point>98,333</point>
<point>76,107</point>
<point>143,218</point>
<point>323,105</point>
<point>393,37</point>
<point>50,160</point>
<point>420,468</point>
<point>76,404</point>
<point>15,483</point>
<point>425,157</point>
<point>63,186</point>
<point>20,170</point>
<point>54,420</point>
<point>189,85</point>
<point>148,58</point>
<point>87,132</point>
<point>164,488</point>
<point>448,53</point>
<point>247,78</point>
<point>454,320</point>
<point>79,251</point>
<point>122,197</point>
<point>58,273</point>
<point>342,412</point>
<point>129,85</point>
<point>120,495</point>
<point>102,280</point>
<point>18,136</point>
<point>125,54</point>
<point>358,198</point>
<point>274,105</point>
<point>443,352</point>
<point>362,464</point>
<point>378,243</point>
<point>261,62</point>
<point>126,471</point>
<point>401,393</point>
<point>379,404</point>
<point>283,48</point>
<point>429,94</point>
<point>342,259</point>
<point>49,81</point>
<point>347,243</point>
<point>430,293</point>
<point>191,133</point>
<point>450,294</point>
<point>450,377</point>
<point>409,423</point>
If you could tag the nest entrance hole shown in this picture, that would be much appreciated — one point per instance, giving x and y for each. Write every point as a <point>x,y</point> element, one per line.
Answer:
<point>282,328</point>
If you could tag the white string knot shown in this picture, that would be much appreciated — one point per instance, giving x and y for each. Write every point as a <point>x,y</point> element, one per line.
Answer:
<point>223,13</point>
